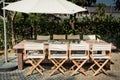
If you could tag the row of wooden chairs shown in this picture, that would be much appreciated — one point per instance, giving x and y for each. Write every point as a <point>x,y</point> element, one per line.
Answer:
<point>63,37</point>
<point>58,54</point>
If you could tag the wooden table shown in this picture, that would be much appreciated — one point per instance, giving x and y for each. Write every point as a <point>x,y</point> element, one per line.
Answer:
<point>20,48</point>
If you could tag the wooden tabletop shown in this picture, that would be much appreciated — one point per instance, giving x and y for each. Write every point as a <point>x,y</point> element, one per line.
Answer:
<point>20,45</point>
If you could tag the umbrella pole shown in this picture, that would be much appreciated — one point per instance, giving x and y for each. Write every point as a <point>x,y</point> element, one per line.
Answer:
<point>5,41</point>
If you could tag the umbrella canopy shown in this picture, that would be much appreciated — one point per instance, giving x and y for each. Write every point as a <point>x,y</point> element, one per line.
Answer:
<point>45,6</point>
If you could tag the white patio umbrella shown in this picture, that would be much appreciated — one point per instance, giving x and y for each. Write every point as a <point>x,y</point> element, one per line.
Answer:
<point>45,6</point>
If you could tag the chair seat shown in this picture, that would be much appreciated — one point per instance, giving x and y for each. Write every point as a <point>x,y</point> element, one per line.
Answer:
<point>102,56</point>
<point>59,56</point>
<point>35,56</point>
<point>78,56</point>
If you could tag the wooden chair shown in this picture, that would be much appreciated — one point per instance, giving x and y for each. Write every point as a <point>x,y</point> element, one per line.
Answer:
<point>89,37</point>
<point>73,37</point>
<point>43,37</point>
<point>100,59</point>
<point>58,54</point>
<point>35,54</point>
<point>58,37</point>
<point>79,55</point>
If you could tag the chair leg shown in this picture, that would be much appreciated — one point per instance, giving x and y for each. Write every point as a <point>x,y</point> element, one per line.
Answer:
<point>91,67</point>
<point>100,67</point>
<point>58,66</point>
<point>72,68</point>
<point>38,65</point>
<point>76,64</point>
<point>78,67</point>
<point>35,66</point>
<point>58,62</point>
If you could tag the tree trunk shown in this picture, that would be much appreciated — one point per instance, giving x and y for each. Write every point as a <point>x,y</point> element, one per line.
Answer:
<point>72,24</point>
<point>12,28</point>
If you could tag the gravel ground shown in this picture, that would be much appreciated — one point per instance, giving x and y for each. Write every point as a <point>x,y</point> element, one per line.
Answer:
<point>114,73</point>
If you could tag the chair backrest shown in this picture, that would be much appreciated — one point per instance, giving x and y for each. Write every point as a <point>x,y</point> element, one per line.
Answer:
<point>43,37</point>
<point>72,37</point>
<point>101,47</point>
<point>89,37</point>
<point>101,51</point>
<point>58,47</point>
<point>83,46</point>
<point>78,49</point>
<point>34,46</point>
<point>58,37</point>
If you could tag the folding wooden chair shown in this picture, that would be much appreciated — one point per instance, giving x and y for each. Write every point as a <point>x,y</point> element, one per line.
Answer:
<point>35,54</point>
<point>100,59</point>
<point>58,37</point>
<point>58,54</point>
<point>73,37</point>
<point>43,37</point>
<point>79,54</point>
<point>89,37</point>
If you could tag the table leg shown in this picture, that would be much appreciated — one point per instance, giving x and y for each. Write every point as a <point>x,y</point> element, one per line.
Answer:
<point>20,58</point>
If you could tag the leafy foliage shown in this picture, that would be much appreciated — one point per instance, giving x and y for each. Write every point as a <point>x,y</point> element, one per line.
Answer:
<point>117,2</point>
<point>83,2</point>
